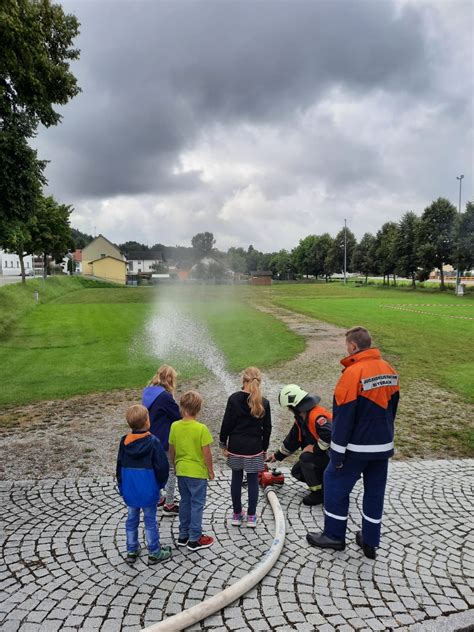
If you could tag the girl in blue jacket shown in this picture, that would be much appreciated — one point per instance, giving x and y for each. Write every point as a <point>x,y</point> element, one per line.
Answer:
<point>158,398</point>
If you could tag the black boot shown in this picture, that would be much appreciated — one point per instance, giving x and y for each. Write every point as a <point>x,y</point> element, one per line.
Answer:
<point>323,542</point>
<point>313,498</point>
<point>369,551</point>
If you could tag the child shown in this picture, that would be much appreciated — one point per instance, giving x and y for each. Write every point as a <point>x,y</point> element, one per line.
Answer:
<point>142,469</point>
<point>189,449</point>
<point>163,410</point>
<point>244,438</point>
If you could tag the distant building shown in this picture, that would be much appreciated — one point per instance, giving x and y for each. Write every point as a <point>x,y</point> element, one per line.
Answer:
<point>143,262</point>
<point>261,277</point>
<point>102,259</point>
<point>10,264</point>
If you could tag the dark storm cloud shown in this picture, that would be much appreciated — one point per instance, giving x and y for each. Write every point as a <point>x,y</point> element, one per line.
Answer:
<point>155,76</point>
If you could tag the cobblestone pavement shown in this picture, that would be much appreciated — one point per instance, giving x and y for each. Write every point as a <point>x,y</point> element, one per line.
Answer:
<point>63,541</point>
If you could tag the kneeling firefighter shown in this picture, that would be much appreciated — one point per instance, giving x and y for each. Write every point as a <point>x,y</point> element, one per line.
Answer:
<point>312,433</point>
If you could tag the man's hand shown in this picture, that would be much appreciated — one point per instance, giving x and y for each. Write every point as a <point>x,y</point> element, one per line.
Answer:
<point>270,458</point>
<point>308,448</point>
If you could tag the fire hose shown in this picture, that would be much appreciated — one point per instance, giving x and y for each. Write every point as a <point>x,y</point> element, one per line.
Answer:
<point>208,607</point>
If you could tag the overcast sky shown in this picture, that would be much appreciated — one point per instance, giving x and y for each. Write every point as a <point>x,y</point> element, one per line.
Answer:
<point>260,121</point>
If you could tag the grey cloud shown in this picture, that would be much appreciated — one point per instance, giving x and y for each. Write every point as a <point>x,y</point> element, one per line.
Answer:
<point>156,75</point>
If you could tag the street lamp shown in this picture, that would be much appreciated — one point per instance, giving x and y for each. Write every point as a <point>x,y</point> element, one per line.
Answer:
<point>458,262</point>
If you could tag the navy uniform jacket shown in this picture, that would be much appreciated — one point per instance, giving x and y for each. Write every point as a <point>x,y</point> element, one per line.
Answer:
<point>365,405</point>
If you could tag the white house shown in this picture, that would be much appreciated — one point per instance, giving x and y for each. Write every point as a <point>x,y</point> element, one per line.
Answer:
<point>10,264</point>
<point>143,261</point>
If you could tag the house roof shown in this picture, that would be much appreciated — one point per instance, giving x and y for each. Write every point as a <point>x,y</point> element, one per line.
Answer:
<point>261,273</point>
<point>107,240</point>
<point>108,257</point>
<point>77,255</point>
<point>143,255</point>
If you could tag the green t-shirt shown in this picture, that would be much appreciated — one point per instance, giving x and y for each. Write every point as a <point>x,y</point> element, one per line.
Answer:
<point>188,438</point>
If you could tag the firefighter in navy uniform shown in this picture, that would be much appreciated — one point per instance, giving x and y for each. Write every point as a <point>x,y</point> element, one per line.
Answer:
<point>365,405</point>
<point>311,432</point>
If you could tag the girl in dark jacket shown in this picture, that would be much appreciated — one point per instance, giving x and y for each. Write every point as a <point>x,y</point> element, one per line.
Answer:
<point>163,410</point>
<point>244,438</point>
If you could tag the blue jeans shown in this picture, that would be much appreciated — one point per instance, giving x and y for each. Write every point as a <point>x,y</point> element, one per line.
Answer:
<point>191,506</point>
<point>151,529</point>
<point>338,484</point>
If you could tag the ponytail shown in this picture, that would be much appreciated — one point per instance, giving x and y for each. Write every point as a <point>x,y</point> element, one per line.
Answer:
<point>253,378</point>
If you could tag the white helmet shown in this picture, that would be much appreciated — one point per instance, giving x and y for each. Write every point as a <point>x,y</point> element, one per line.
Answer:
<point>295,397</point>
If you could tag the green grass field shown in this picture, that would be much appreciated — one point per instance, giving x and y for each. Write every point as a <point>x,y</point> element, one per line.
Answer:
<point>81,339</point>
<point>430,335</point>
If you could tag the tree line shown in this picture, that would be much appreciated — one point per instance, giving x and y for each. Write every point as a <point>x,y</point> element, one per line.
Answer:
<point>35,55</point>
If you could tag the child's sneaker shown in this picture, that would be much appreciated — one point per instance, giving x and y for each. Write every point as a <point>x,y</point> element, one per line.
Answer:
<point>237,519</point>
<point>159,556</point>
<point>162,501</point>
<point>171,510</point>
<point>132,556</point>
<point>252,521</point>
<point>183,541</point>
<point>204,542</point>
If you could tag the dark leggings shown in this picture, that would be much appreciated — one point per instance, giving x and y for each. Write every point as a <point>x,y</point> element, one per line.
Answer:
<point>236,491</point>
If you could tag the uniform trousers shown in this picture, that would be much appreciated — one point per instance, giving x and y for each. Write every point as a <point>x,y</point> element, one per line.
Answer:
<point>338,484</point>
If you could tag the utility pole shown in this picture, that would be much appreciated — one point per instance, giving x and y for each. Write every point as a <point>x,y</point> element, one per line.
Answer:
<point>458,279</point>
<point>345,249</point>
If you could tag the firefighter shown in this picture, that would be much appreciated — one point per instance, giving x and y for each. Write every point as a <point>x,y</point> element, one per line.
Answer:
<point>365,405</point>
<point>311,432</point>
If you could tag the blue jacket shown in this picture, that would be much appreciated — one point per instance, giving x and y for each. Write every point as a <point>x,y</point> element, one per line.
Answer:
<point>365,405</point>
<point>142,469</point>
<point>163,410</point>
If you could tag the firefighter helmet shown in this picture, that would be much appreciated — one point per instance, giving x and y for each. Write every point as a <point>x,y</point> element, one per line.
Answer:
<point>295,397</point>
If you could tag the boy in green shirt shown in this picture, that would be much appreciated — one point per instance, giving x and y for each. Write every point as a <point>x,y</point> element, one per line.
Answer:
<point>189,450</point>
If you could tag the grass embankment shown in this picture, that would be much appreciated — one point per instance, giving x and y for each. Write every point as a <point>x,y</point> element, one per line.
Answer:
<point>80,339</point>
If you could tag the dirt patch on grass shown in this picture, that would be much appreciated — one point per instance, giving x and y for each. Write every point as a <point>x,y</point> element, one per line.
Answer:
<point>79,436</point>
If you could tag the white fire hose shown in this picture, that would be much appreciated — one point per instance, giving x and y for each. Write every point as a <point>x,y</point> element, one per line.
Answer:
<point>231,593</point>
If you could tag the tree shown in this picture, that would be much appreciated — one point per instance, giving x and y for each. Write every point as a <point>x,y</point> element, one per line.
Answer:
<point>406,241</point>
<point>133,246</point>
<point>21,181</point>
<point>236,259</point>
<point>281,264</point>
<point>35,54</point>
<point>320,255</point>
<point>47,232</point>
<point>363,256</point>
<point>436,236</point>
<point>203,243</point>
<point>465,239</point>
<point>302,255</point>
<point>80,239</point>
<point>335,255</point>
<point>385,250</point>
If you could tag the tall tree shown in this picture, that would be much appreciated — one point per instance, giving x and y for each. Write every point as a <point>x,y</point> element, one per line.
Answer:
<point>465,239</point>
<point>202,244</point>
<point>336,253</point>
<point>35,55</point>
<point>385,250</point>
<point>436,236</point>
<point>236,259</point>
<point>363,256</point>
<point>407,260</point>
<point>302,255</point>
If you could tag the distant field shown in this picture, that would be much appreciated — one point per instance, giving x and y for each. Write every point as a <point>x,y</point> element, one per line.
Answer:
<point>82,339</point>
<point>429,334</point>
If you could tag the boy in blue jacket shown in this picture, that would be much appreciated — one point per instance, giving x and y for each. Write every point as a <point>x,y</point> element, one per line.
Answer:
<point>142,470</point>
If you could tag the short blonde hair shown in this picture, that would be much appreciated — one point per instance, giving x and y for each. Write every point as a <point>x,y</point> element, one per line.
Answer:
<point>137,417</point>
<point>359,336</point>
<point>165,377</point>
<point>190,403</point>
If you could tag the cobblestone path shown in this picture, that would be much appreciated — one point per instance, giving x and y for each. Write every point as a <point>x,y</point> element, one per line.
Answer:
<point>63,541</point>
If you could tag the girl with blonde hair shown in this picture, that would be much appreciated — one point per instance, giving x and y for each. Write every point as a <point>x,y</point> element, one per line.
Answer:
<point>244,438</point>
<point>158,398</point>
